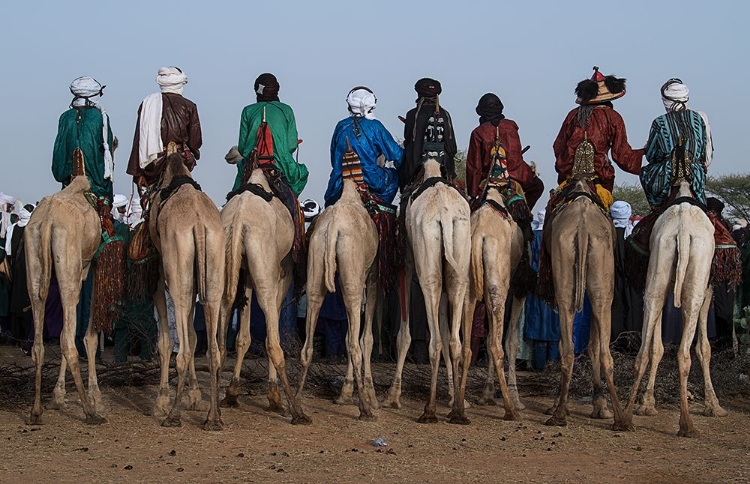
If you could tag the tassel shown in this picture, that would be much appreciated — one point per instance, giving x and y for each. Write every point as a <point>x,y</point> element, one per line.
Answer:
<point>109,272</point>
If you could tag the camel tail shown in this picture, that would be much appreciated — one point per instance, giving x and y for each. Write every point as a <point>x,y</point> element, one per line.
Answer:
<point>232,252</point>
<point>201,256</point>
<point>330,258</point>
<point>45,255</point>
<point>582,244</point>
<point>446,223</point>
<point>477,267</point>
<point>683,251</point>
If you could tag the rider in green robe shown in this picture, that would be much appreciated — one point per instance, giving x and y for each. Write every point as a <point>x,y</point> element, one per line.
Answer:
<point>283,127</point>
<point>86,126</point>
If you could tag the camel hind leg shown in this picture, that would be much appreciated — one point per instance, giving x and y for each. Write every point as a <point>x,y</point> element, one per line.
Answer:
<point>403,340</point>
<point>242,344</point>
<point>511,349</point>
<point>316,292</point>
<point>703,352</point>
<point>165,343</point>
<point>37,353</point>
<point>690,313</point>
<point>367,338</point>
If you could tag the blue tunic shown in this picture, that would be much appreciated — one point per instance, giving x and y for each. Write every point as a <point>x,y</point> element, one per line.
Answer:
<point>665,132</point>
<point>373,140</point>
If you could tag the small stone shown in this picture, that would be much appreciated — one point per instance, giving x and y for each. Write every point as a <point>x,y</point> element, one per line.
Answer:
<point>180,469</point>
<point>128,467</point>
<point>127,446</point>
<point>279,470</point>
<point>113,466</point>
<point>639,448</point>
<point>285,454</point>
<point>391,451</point>
<point>502,438</point>
<point>463,440</point>
<point>173,453</point>
<point>549,449</point>
<point>241,454</point>
<point>273,453</point>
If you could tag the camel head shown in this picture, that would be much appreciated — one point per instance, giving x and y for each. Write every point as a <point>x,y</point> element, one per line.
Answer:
<point>431,168</point>
<point>174,165</point>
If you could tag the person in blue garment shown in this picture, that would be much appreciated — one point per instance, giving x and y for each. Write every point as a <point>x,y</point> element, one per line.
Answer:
<point>369,139</point>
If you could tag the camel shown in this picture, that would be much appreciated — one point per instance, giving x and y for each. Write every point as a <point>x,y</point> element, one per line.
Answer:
<point>259,236</point>
<point>496,248</point>
<point>439,230</point>
<point>581,245</point>
<point>681,247</point>
<point>345,241</point>
<point>186,230</point>
<point>62,236</point>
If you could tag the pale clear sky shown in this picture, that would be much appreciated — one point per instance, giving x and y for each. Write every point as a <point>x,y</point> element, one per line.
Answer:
<point>531,53</point>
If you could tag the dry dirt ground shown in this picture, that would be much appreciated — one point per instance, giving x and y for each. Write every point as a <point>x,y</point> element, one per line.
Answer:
<point>258,446</point>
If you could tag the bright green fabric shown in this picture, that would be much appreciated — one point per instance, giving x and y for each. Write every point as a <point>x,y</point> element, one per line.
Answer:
<point>280,119</point>
<point>83,132</point>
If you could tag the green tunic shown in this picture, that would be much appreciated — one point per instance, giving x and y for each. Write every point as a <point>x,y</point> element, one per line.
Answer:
<point>280,119</point>
<point>83,132</point>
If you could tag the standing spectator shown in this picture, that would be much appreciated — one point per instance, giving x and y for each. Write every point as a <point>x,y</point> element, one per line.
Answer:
<point>627,305</point>
<point>6,208</point>
<point>22,320</point>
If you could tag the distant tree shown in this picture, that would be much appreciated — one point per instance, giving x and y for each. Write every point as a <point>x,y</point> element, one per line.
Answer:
<point>634,195</point>
<point>460,163</point>
<point>734,190</point>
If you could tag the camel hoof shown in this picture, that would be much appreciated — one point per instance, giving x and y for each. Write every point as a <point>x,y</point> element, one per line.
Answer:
<point>602,413</point>
<point>35,420</point>
<point>518,405</point>
<point>512,416</point>
<point>550,411</point>
<point>715,412</point>
<point>213,425</point>
<point>458,419</point>
<point>56,405</point>
<point>647,411</point>
<point>689,432</point>
<point>556,422</point>
<point>487,401</point>
<point>276,408</point>
<point>392,404</point>
<point>427,418</point>
<point>344,401</point>
<point>171,422</point>
<point>626,426</point>
<point>229,402</point>
<point>95,419</point>
<point>301,419</point>
<point>367,418</point>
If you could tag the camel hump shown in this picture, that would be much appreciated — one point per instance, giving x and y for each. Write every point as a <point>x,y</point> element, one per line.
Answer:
<point>79,184</point>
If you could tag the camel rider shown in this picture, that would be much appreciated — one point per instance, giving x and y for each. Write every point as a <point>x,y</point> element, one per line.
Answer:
<point>164,117</point>
<point>283,142</point>
<point>679,147</point>
<point>596,126</point>
<point>369,139</point>
<point>428,132</point>
<point>678,126</point>
<point>494,128</point>
<point>85,129</point>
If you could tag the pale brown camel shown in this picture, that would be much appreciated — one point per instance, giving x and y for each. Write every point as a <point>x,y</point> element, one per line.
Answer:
<point>439,230</point>
<point>581,245</point>
<point>62,236</point>
<point>345,241</point>
<point>259,237</point>
<point>681,247</point>
<point>186,230</point>
<point>496,248</point>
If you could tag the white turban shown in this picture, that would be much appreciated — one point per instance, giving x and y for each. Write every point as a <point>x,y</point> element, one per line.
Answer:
<point>675,95</point>
<point>120,200</point>
<point>621,212</point>
<point>310,208</point>
<point>171,79</point>
<point>362,102</point>
<point>5,200</point>
<point>86,92</point>
<point>538,222</point>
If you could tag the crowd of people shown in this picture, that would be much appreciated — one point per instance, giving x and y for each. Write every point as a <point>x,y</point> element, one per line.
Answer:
<point>592,138</point>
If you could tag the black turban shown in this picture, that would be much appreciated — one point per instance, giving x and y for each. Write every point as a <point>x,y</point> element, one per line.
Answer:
<point>427,87</point>
<point>714,205</point>
<point>490,108</point>
<point>266,87</point>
